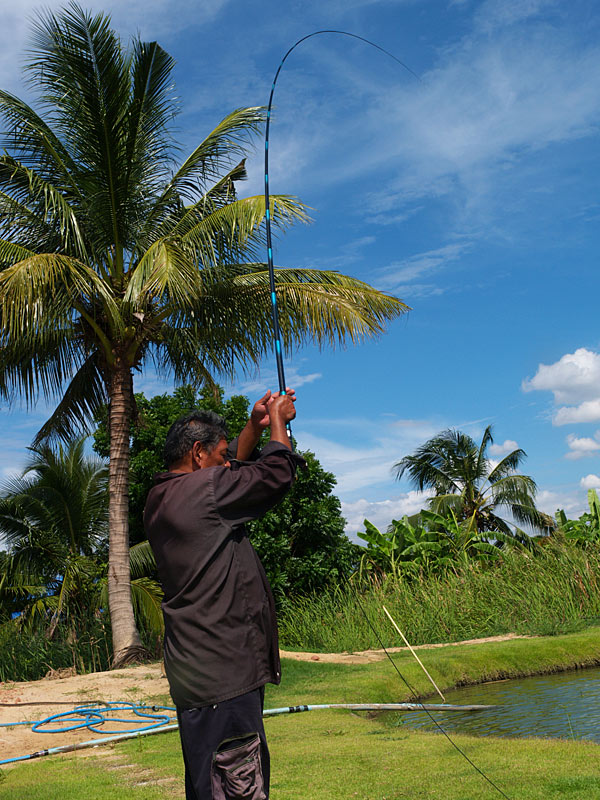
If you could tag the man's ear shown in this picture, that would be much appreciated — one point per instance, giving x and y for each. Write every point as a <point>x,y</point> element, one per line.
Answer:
<point>198,455</point>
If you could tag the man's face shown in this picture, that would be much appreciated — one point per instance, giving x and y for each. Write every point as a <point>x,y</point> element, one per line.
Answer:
<point>217,457</point>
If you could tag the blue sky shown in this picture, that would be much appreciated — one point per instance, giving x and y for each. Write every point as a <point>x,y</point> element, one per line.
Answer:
<point>472,194</point>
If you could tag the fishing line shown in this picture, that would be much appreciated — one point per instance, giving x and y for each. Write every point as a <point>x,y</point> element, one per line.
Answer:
<point>279,350</point>
<point>420,704</point>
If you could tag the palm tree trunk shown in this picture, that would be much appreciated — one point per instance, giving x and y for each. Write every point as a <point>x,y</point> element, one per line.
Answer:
<point>127,645</point>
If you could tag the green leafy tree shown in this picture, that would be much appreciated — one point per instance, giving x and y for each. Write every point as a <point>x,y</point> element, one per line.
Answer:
<point>406,547</point>
<point>113,257</point>
<point>430,542</point>
<point>301,542</point>
<point>148,431</point>
<point>469,486</point>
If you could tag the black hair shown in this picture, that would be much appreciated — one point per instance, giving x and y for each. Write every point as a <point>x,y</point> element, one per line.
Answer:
<point>201,426</point>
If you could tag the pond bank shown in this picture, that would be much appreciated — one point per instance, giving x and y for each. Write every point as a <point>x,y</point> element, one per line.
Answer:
<point>450,666</point>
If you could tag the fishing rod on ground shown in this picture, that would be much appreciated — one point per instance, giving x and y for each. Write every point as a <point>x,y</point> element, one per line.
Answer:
<point>278,349</point>
<point>92,717</point>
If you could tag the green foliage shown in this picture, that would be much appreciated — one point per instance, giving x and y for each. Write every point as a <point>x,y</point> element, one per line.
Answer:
<point>584,531</point>
<point>148,433</point>
<point>403,548</point>
<point>555,588</point>
<point>27,655</point>
<point>301,542</point>
<point>54,519</point>
<point>429,543</point>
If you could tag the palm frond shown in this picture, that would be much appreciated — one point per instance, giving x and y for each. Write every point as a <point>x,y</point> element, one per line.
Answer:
<point>141,560</point>
<point>39,360</point>
<point>33,143</point>
<point>166,272</point>
<point>81,401</point>
<point>486,440</point>
<point>509,464</point>
<point>42,290</point>
<point>147,595</point>
<point>47,201</point>
<point>230,138</point>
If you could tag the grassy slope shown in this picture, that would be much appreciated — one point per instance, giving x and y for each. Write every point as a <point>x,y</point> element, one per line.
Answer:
<point>334,755</point>
<point>316,682</point>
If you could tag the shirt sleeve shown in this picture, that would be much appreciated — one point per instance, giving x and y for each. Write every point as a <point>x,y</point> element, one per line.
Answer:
<point>247,490</point>
<point>232,451</point>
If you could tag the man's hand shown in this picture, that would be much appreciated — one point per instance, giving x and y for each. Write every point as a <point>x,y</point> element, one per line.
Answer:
<point>271,409</point>
<point>260,415</point>
<point>282,411</point>
<point>282,406</point>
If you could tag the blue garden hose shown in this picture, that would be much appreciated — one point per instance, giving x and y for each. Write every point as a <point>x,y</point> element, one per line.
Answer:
<point>94,716</point>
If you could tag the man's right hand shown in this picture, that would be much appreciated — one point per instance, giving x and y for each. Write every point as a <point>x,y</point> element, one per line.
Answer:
<point>282,407</point>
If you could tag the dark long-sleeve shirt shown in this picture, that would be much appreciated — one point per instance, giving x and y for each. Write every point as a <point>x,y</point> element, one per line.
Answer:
<point>220,624</point>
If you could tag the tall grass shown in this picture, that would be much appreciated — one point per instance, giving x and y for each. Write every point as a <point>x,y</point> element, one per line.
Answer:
<point>555,590</point>
<point>26,655</point>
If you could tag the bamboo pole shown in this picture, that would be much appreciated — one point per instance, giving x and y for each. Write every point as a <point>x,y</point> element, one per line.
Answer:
<point>414,654</point>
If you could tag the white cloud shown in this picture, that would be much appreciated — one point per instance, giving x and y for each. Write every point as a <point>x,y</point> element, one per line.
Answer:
<point>489,103</point>
<point>575,377</point>
<point>152,19</point>
<point>380,443</point>
<point>549,501</point>
<point>267,379</point>
<point>381,512</point>
<point>588,411</point>
<point>503,449</point>
<point>401,275</point>
<point>574,381</point>
<point>493,14</point>
<point>590,482</point>
<point>581,447</point>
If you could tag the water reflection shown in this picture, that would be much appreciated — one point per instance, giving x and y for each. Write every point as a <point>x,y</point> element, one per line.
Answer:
<point>565,705</point>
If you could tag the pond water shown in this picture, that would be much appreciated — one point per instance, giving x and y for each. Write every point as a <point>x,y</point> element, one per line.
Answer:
<point>565,705</point>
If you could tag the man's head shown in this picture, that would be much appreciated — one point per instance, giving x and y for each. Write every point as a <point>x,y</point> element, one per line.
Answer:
<point>196,440</point>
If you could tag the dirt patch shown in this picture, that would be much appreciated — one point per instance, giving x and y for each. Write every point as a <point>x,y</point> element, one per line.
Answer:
<point>369,656</point>
<point>143,684</point>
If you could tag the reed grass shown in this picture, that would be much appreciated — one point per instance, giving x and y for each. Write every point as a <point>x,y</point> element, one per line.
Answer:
<point>553,591</point>
<point>26,655</point>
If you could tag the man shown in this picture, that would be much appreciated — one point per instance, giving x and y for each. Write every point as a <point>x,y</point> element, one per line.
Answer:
<point>221,644</point>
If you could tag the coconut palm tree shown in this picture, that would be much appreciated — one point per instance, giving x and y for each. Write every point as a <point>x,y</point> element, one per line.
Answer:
<point>54,522</point>
<point>468,485</point>
<point>112,258</point>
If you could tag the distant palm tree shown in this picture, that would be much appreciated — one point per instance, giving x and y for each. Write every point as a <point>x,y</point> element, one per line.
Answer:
<point>112,258</point>
<point>54,521</point>
<point>468,484</point>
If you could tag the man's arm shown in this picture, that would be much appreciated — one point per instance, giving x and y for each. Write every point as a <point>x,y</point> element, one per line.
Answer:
<point>261,417</point>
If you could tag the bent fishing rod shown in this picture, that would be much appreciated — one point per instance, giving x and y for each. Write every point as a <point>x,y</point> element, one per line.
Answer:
<point>278,348</point>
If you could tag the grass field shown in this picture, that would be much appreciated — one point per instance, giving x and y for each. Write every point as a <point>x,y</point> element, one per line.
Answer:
<point>336,754</point>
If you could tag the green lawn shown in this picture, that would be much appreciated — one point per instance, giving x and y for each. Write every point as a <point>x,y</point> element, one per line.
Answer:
<point>338,755</point>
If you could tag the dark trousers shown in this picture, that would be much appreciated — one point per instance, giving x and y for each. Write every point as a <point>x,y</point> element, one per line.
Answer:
<point>225,750</point>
